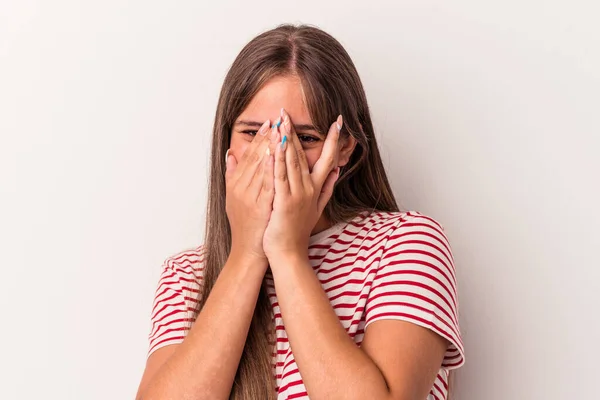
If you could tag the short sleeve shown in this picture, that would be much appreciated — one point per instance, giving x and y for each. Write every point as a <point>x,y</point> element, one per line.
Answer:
<point>175,300</point>
<point>416,282</point>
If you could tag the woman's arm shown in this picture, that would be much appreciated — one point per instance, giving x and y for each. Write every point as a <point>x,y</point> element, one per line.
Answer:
<point>398,360</point>
<point>203,366</point>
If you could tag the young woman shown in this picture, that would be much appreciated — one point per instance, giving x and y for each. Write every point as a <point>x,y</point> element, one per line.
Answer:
<point>310,281</point>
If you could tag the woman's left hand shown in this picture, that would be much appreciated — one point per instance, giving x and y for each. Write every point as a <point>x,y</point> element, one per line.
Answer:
<point>300,195</point>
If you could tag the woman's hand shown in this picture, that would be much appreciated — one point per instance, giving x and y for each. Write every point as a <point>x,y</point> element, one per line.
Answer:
<point>249,195</point>
<point>300,196</point>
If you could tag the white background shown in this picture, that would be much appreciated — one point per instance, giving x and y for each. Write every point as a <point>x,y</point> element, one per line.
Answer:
<point>488,117</point>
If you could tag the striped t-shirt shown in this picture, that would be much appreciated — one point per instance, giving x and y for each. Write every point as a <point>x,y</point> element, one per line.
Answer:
<point>382,265</point>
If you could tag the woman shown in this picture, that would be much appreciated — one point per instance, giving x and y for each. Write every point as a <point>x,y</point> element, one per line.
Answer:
<point>304,249</point>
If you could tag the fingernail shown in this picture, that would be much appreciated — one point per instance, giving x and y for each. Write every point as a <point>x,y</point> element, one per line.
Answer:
<point>276,123</point>
<point>226,155</point>
<point>285,116</point>
<point>286,123</point>
<point>339,122</point>
<point>264,128</point>
<point>283,142</point>
<point>268,152</point>
<point>281,112</point>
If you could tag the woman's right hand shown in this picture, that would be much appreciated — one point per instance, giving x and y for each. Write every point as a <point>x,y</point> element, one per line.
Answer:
<point>250,194</point>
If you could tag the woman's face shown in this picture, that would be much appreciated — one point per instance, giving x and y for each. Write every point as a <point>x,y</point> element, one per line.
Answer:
<point>283,92</point>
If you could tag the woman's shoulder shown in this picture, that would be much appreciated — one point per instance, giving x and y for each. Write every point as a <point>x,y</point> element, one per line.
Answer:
<point>399,227</point>
<point>187,264</point>
<point>397,219</point>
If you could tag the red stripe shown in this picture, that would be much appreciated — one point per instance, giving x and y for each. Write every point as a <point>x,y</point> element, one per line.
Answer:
<point>353,261</point>
<point>291,361</point>
<point>189,270</point>
<point>180,304</point>
<point>192,299</point>
<point>350,263</point>
<point>373,235</point>
<point>175,339</point>
<point>361,225</point>
<point>169,284</point>
<point>155,321</point>
<point>297,395</point>
<point>324,282</point>
<point>443,393</point>
<point>448,267</point>
<point>430,244</point>
<point>189,260</point>
<point>438,238</point>
<point>157,302</point>
<point>387,254</point>
<point>183,278</point>
<point>350,305</point>
<point>421,285</point>
<point>452,357</point>
<point>417,296</point>
<point>451,365</point>
<point>419,215</point>
<point>157,313</point>
<point>197,252</point>
<point>436,328</point>
<point>290,384</point>
<point>441,379</point>
<point>346,293</point>
<point>347,255</point>
<point>291,372</point>
<point>348,282</point>
<point>175,321</point>
<point>156,328</point>
<point>380,277</point>
<point>411,305</point>
<point>285,364</point>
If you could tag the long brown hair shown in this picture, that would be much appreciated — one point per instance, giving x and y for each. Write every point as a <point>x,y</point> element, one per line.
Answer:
<point>331,86</point>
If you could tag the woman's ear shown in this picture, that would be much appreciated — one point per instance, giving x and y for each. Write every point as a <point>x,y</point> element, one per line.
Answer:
<point>347,145</point>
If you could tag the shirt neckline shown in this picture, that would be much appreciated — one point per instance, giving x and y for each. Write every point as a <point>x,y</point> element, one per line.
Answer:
<point>332,230</point>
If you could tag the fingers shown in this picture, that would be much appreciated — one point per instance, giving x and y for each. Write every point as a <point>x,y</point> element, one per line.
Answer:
<point>327,161</point>
<point>230,167</point>
<point>297,165</point>
<point>280,170</point>
<point>252,158</point>
<point>257,183</point>
<point>327,189</point>
<point>267,192</point>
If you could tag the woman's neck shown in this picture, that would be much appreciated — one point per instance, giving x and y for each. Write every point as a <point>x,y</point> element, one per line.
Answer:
<point>321,225</point>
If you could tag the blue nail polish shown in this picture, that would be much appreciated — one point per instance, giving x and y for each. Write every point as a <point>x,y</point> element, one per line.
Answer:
<point>278,122</point>
<point>283,141</point>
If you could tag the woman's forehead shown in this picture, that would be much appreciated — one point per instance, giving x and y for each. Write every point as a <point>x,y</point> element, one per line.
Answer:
<point>278,92</point>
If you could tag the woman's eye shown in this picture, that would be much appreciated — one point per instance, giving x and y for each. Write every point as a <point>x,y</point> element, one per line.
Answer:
<point>303,138</point>
<point>307,139</point>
